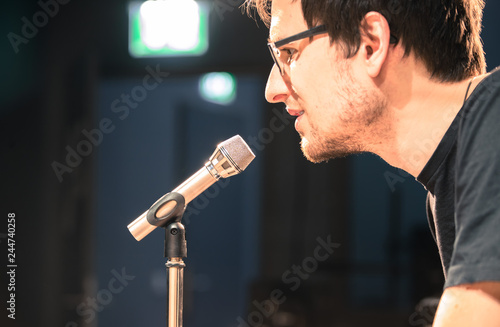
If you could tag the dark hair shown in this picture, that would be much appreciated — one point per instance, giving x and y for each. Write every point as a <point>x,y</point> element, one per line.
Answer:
<point>443,34</point>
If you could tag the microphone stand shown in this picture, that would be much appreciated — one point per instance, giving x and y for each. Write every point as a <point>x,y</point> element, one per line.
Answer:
<point>175,249</point>
<point>230,157</point>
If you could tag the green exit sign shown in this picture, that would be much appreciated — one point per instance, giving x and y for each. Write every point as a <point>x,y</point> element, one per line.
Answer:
<point>166,28</point>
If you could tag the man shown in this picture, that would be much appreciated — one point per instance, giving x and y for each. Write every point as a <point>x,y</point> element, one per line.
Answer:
<point>404,80</point>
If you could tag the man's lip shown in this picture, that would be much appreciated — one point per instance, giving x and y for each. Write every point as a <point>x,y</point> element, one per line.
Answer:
<point>294,112</point>
<point>298,113</point>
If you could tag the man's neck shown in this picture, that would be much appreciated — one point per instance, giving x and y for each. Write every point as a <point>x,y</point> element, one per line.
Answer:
<point>420,112</point>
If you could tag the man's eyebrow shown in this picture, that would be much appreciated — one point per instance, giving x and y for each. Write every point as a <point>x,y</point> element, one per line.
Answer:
<point>273,37</point>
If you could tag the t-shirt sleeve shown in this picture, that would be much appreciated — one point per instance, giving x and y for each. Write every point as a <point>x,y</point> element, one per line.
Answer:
<point>476,251</point>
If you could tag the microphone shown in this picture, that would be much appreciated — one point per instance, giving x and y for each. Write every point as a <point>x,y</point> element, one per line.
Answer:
<point>231,157</point>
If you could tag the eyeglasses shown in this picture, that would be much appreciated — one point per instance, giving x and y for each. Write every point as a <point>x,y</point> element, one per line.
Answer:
<point>282,58</point>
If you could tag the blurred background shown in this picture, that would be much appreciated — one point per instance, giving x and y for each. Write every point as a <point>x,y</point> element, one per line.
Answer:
<point>99,120</point>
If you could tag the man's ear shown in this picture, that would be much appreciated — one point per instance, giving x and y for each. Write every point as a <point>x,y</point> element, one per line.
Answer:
<point>375,42</point>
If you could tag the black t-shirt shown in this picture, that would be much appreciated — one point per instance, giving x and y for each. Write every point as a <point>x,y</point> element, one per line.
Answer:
<point>463,180</point>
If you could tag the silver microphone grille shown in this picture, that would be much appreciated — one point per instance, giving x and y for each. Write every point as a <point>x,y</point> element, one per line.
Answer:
<point>230,157</point>
<point>239,152</point>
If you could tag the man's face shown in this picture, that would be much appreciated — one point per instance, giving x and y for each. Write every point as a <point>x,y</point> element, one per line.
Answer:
<point>326,92</point>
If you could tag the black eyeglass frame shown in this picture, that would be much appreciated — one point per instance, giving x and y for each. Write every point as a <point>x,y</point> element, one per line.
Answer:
<point>320,29</point>
<point>273,46</point>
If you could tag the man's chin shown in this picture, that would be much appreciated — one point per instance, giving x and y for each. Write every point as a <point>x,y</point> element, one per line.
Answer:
<point>319,153</point>
<point>309,151</point>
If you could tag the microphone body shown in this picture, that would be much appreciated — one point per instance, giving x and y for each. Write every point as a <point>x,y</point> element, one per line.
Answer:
<point>190,189</point>
<point>195,185</point>
<point>230,158</point>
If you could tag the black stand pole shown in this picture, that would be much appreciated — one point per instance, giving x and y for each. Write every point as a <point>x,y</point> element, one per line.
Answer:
<point>175,250</point>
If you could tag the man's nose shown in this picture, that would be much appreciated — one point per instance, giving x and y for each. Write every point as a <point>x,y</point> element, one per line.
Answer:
<point>276,88</point>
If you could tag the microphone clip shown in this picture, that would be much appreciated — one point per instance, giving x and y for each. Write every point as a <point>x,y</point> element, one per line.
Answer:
<point>174,215</point>
<point>175,233</point>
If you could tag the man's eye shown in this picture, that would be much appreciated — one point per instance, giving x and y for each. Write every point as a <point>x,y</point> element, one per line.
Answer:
<point>287,54</point>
